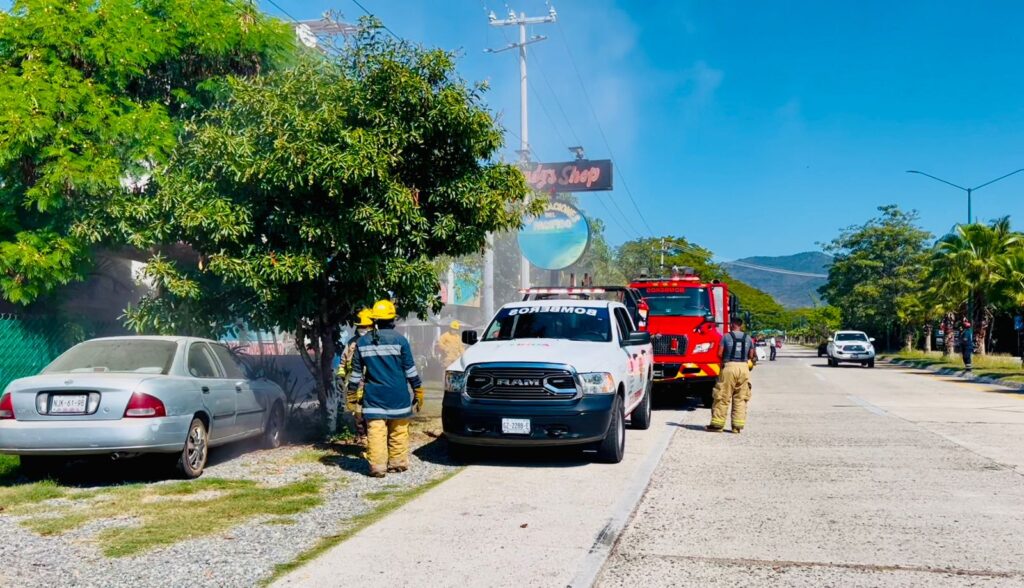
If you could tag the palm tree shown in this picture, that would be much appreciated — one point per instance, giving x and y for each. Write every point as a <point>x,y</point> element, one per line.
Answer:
<point>969,262</point>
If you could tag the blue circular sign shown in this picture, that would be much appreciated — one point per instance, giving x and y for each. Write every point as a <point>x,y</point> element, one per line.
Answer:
<point>557,238</point>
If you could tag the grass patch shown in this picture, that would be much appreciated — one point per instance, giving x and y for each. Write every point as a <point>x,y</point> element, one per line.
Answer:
<point>9,465</point>
<point>22,494</point>
<point>309,455</point>
<point>1003,367</point>
<point>386,505</point>
<point>177,514</point>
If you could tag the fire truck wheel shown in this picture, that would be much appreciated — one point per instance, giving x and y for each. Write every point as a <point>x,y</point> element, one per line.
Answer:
<point>707,396</point>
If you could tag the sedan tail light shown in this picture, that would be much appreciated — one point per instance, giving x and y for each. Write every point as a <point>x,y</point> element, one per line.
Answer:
<point>6,407</point>
<point>142,405</point>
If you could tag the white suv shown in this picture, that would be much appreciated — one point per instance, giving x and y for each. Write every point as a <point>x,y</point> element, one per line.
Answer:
<point>851,347</point>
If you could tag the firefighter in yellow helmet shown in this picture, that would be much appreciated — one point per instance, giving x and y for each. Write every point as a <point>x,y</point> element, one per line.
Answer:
<point>449,344</point>
<point>384,366</point>
<point>354,398</point>
<point>733,387</point>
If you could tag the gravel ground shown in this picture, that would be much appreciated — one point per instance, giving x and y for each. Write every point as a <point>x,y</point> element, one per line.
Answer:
<point>242,556</point>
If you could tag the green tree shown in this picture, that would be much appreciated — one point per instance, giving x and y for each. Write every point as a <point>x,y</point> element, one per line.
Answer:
<point>92,95</point>
<point>972,262</point>
<point>877,273</point>
<point>644,256</point>
<point>313,191</point>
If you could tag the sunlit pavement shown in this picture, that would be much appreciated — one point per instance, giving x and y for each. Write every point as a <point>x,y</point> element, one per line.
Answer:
<point>844,477</point>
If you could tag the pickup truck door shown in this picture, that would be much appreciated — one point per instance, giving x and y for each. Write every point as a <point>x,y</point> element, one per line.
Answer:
<point>636,359</point>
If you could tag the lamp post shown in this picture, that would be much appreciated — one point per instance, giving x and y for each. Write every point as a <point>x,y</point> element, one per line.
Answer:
<point>970,216</point>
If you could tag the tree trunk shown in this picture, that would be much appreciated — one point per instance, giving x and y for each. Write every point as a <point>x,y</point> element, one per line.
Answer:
<point>982,325</point>
<point>908,340</point>
<point>928,337</point>
<point>318,356</point>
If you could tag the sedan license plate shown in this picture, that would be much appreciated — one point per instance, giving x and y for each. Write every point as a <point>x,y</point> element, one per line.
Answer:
<point>68,403</point>
<point>515,426</point>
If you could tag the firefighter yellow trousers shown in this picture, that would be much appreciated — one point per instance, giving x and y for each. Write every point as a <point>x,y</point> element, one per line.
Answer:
<point>387,444</point>
<point>733,387</point>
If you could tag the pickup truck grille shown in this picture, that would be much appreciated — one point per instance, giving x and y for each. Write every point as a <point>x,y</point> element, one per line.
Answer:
<point>540,384</point>
<point>663,344</point>
<point>857,348</point>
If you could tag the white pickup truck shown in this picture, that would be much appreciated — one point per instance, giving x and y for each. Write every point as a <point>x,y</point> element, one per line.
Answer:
<point>551,372</point>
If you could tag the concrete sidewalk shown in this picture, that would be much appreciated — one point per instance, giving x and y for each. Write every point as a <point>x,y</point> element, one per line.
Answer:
<point>522,521</point>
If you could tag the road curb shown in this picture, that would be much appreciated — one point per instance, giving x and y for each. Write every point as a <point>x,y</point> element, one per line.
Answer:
<point>593,563</point>
<point>955,373</point>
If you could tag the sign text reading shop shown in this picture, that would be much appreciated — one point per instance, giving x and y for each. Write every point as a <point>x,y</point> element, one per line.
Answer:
<point>569,176</point>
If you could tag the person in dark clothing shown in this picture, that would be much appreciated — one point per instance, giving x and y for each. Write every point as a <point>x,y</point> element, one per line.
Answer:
<point>967,344</point>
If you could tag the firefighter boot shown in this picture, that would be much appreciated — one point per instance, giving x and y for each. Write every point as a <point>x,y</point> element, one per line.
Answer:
<point>377,446</point>
<point>398,445</point>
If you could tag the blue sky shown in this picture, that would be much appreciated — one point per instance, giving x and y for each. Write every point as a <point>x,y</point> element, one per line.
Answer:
<point>754,128</point>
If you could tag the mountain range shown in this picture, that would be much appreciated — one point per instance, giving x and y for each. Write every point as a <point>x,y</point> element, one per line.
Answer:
<point>793,280</point>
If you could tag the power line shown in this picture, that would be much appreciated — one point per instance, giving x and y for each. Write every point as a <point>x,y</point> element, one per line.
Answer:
<point>370,14</point>
<point>774,270</point>
<point>600,130</point>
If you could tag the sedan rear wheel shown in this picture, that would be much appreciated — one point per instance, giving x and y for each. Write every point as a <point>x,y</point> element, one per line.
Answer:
<point>274,432</point>
<point>192,460</point>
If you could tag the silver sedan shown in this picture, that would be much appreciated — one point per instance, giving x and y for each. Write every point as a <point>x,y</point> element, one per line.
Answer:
<point>176,396</point>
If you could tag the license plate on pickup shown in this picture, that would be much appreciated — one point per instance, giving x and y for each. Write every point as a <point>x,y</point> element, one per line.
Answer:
<point>68,403</point>
<point>659,373</point>
<point>515,426</point>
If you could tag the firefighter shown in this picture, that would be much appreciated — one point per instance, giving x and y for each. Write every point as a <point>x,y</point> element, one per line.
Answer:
<point>738,356</point>
<point>967,344</point>
<point>449,344</point>
<point>354,398</point>
<point>383,364</point>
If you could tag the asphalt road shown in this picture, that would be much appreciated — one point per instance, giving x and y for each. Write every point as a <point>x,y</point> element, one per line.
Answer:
<point>843,477</point>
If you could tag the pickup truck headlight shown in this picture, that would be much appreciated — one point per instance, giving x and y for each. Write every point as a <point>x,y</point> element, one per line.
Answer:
<point>455,382</point>
<point>597,383</point>
<point>702,348</point>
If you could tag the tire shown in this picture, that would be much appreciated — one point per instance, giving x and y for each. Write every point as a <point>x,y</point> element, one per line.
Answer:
<point>871,363</point>
<point>274,431</point>
<point>191,462</point>
<point>640,418</point>
<point>613,447</point>
<point>707,397</point>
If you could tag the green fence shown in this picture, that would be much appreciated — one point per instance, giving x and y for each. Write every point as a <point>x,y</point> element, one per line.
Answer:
<point>28,344</point>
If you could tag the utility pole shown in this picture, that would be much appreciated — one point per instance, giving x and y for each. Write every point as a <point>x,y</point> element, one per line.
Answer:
<point>521,21</point>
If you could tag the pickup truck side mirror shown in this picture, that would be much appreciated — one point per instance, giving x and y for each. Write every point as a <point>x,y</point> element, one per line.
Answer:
<point>637,338</point>
<point>830,339</point>
<point>872,339</point>
<point>469,337</point>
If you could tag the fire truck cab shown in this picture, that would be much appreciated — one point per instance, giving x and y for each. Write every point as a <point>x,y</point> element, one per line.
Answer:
<point>686,318</point>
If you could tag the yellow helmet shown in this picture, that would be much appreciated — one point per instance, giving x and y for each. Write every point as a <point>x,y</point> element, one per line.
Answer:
<point>455,325</point>
<point>383,310</point>
<point>364,319</point>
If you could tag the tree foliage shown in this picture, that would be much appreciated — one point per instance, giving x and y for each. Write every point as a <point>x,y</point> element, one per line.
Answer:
<point>314,190</point>
<point>980,262</point>
<point>92,94</point>
<point>877,273</point>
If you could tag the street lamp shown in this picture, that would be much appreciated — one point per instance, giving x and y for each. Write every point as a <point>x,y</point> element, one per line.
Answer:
<point>968,190</point>
<point>970,296</point>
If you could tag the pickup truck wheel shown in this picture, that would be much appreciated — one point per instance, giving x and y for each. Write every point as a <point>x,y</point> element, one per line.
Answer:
<point>612,448</point>
<point>871,363</point>
<point>640,418</point>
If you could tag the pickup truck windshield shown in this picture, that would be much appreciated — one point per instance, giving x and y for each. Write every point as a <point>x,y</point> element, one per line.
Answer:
<point>851,337</point>
<point>558,321</point>
<point>677,301</point>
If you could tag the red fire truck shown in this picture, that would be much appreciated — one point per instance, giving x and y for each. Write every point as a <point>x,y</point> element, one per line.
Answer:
<point>686,318</point>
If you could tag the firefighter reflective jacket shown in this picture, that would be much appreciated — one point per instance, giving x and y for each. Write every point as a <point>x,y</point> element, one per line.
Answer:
<point>383,364</point>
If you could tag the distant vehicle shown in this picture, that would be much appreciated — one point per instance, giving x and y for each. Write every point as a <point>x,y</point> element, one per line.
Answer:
<point>125,396</point>
<point>686,317</point>
<point>851,347</point>
<point>551,372</point>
